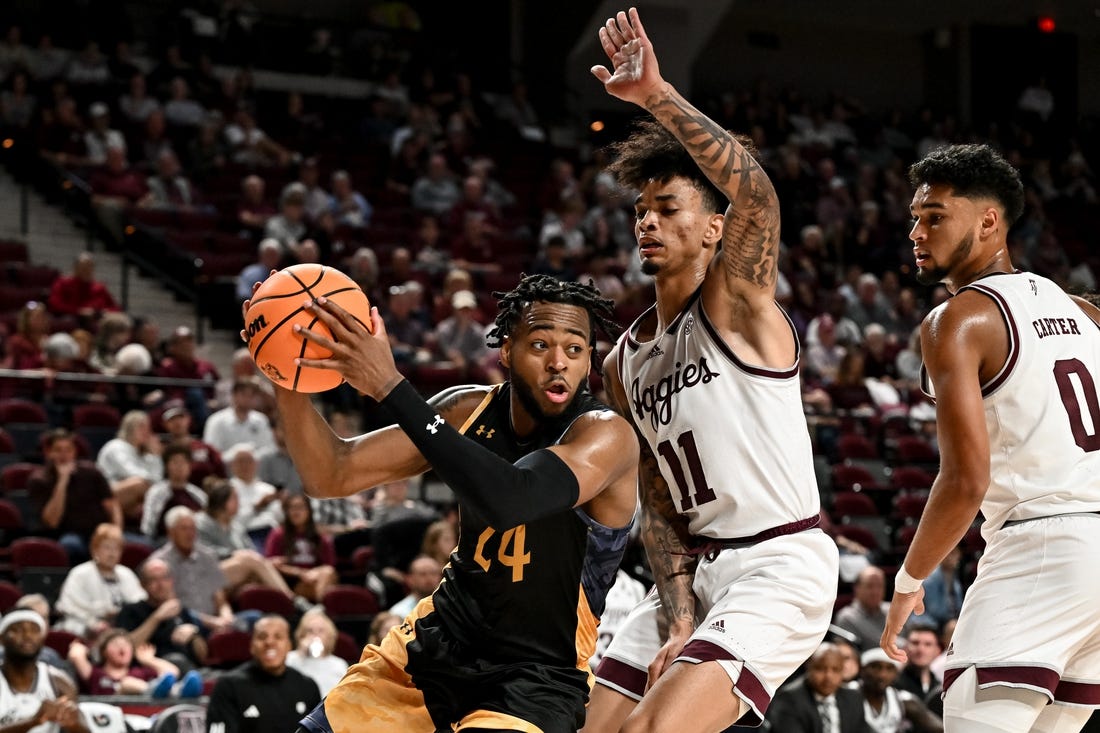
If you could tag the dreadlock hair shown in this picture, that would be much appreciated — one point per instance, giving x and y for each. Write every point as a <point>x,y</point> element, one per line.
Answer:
<point>547,289</point>
<point>973,171</point>
<point>653,153</point>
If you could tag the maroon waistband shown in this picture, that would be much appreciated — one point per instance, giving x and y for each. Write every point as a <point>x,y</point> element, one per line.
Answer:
<point>709,547</point>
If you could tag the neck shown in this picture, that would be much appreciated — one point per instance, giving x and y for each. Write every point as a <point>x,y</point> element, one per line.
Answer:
<point>674,291</point>
<point>997,262</point>
<point>19,672</point>
<point>875,698</point>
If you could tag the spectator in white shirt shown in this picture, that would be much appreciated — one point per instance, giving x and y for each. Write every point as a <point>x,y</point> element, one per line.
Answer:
<point>239,422</point>
<point>101,136</point>
<point>260,507</point>
<point>131,462</point>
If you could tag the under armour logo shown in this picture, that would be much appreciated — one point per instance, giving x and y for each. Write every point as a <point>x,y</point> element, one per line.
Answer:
<point>488,434</point>
<point>433,427</point>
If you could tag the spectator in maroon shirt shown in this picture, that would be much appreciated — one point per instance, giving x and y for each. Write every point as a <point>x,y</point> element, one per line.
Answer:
<point>80,294</point>
<point>115,188</point>
<point>205,458</point>
<point>71,498</point>
<point>24,347</point>
<point>254,210</point>
<point>181,363</point>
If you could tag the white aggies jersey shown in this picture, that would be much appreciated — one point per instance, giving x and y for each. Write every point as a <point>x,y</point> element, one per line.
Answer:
<point>731,439</point>
<point>1042,409</point>
<point>17,706</point>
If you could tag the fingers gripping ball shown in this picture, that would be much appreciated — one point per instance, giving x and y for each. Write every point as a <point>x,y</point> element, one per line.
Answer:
<point>279,304</point>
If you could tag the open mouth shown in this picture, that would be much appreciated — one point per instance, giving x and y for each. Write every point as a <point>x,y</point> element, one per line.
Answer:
<point>647,247</point>
<point>557,393</point>
<point>921,258</point>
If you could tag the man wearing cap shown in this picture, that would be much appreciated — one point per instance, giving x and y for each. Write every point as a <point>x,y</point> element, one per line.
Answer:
<point>206,460</point>
<point>239,422</point>
<point>181,362</point>
<point>34,697</point>
<point>460,338</point>
<point>101,136</point>
<point>884,707</point>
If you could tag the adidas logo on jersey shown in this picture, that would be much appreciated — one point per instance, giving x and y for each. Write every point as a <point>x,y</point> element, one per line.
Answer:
<point>719,625</point>
<point>655,351</point>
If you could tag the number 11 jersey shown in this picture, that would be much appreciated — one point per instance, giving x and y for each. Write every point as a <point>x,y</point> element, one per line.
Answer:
<point>730,438</point>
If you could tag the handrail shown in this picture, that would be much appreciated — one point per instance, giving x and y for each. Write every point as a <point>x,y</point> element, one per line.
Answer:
<point>49,374</point>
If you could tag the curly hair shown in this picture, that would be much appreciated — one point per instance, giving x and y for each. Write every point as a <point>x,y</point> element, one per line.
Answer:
<point>973,171</point>
<point>547,289</point>
<point>653,153</point>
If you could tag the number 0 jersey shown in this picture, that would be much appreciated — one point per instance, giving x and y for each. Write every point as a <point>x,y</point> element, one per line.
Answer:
<point>1041,409</point>
<point>730,438</point>
<point>531,593</point>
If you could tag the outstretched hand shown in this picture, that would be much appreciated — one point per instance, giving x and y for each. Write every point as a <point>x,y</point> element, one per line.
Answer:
<point>361,356</point>
<point>901,607</point>
<point>635,75</point>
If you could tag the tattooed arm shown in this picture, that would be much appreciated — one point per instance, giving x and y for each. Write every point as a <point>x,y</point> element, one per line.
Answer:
<point>664,533</point>
<point>749,259</point>
<point>331,466</point>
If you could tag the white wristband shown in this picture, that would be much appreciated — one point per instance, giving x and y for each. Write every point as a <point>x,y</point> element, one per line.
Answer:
<point>905,583</point>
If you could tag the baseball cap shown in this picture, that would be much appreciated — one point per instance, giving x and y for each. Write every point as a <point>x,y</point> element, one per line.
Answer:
<point>463,299</point>
<point>22,614</point>
<point>877,655</point>
<point>173,408</point>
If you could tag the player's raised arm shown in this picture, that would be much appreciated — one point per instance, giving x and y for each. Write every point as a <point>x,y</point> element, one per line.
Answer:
<point>751,234</point>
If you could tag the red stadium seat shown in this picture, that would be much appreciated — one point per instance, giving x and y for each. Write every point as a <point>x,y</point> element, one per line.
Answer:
<point>96,415</point>
<point>852,504</point>
<point>915,449</point>
<point>134,554</point>
<point>908,507</point>
<point>9,594</point>
<point>853,478</point>
<point>13,477</point>
<point>859,534</point>
<point>854,445</point>
<point>228,648</point>
<point>342,601</point>
<point>266,600</point>
<point>347,648</point>
<point>906,477</point>
<point>60,641</point>
<point>38,552</point>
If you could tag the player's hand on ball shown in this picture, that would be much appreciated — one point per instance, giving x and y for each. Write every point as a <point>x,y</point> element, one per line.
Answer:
<point>362,358</point>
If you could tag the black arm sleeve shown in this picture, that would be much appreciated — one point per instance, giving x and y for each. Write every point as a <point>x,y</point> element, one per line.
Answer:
<point>501,493</point>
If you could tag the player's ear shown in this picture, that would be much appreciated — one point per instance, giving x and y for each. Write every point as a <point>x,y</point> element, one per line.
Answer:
<point>506,353</point>
<point>713,233</point>
<point>991,220</point>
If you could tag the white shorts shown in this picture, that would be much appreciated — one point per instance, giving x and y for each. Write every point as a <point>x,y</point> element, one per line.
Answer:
<point>761,611</point>
<point>1032,617</point>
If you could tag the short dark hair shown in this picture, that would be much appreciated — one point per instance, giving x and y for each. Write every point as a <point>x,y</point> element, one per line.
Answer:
<point>55,435</point>
<point>547,289</point>
<point>653,153</point>
<point>973,171</point>
<point>176,449</point>
<point>922,627</point>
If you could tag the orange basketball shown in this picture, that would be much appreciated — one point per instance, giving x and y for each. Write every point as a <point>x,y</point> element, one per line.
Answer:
<point>278,304</point>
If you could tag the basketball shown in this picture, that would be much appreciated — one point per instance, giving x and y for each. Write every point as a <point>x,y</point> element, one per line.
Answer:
<point>277,305</point>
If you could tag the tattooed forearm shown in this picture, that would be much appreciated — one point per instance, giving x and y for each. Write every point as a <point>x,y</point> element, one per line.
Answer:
<point>750,240</point>
<point>663,533</point>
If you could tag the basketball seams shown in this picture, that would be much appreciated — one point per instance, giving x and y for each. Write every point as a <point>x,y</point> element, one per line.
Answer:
<point>337,284</point>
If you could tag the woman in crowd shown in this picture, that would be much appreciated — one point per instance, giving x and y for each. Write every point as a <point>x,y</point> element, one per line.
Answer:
<point>313,655</point>
<point>94,591</point>
<point>304,556</point>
